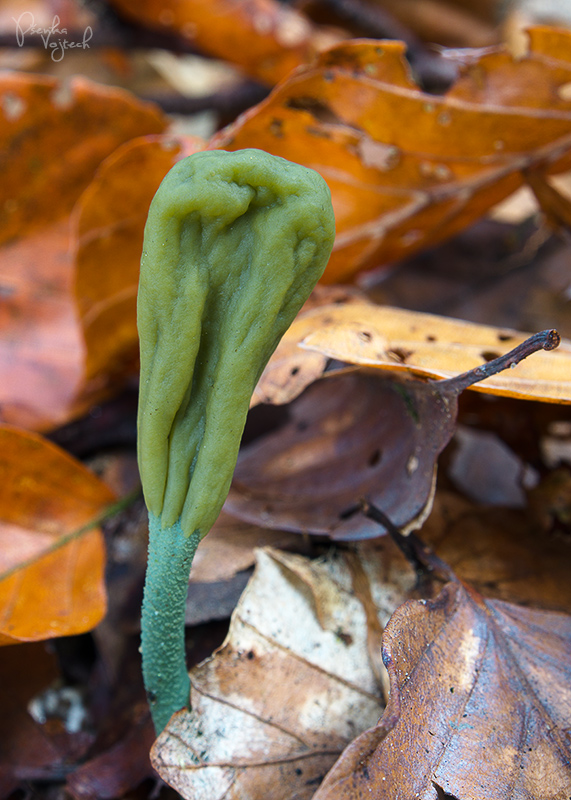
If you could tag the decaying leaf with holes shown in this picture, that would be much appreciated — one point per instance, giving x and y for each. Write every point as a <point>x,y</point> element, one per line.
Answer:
<point>408,169</point>
<point>430,346</point>
<point>355,437</point>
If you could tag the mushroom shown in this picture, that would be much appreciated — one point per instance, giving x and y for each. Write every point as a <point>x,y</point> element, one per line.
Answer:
<point>234,244</point>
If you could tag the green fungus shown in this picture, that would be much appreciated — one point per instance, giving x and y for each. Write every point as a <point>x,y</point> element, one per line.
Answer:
<point>234,244</point>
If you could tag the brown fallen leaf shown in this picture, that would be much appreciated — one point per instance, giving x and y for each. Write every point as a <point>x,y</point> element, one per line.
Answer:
<point>352,437</point>
<point>51,565</point>
<point>222,566</point>
<point>289,688</point>
<point>407,169</point>
<point>434,346</point>
<point>501,552</point>
<point>53,138</point>
<point>479,706</point>
<point>230,548</point>
<point>347,437</point>
<point>108,225</point>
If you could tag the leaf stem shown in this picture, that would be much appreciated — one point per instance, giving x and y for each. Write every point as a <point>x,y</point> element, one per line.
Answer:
<point>544,340</point>
<point>171,553</point>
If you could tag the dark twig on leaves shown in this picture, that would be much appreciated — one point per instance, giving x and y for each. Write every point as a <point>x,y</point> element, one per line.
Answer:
<point>544,340</point>
<point>422,558</point>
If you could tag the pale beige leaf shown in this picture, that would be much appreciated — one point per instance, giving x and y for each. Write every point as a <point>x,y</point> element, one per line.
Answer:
<point>290,687</point>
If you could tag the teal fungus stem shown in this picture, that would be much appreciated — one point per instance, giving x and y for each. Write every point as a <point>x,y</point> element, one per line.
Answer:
<point>171,553</point>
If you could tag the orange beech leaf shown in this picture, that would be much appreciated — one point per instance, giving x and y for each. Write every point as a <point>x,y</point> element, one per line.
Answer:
<point>429,345</point>
<point>479,706</point>
<point>51,562</point>
<point>265,38</point>
<point>109,222</point>
<point>54,136</point>
<point>407,169</point>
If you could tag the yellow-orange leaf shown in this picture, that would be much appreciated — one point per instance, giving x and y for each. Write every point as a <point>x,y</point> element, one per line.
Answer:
<point>265,38</point>
<point>51,582</point>
<point>53,136</point>
<point>407,169</point>
<point>437,347</point>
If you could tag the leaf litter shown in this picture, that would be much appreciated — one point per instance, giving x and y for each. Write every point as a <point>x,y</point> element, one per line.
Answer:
<point>290,687</point>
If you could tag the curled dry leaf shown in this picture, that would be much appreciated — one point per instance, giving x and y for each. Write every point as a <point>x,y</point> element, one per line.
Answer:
<point>347,437</point>
<point>479,706</point>
<point>407,169</point>
<point>289,688</point>
<point>54,136</point>
<point>51,565</point>
<point>433,346</point>
<point>108,225</point>
<point>358,437</point>
<point>265,38</point>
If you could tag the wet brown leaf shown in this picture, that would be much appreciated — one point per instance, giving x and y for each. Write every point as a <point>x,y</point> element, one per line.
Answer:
<point>408,169</point>
<point>479,706</point>
<point>289,688</point>
<point>502,552</point>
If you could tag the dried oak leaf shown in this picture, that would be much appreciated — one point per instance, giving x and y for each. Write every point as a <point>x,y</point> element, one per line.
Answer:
<point>479,707</point>
<point>433,346</point>
<point>108,226</point>
<point>53,137</point>
<point>51,561</point>
<point>264,38</point>
<point>408,169</point>
<point>291,685</point>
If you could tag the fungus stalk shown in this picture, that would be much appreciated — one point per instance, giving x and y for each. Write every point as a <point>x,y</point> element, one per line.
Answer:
<point>234,244</point>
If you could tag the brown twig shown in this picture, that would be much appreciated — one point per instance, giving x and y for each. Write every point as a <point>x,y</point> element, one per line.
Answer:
<point>423,558</point>
<point>544,340</point>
